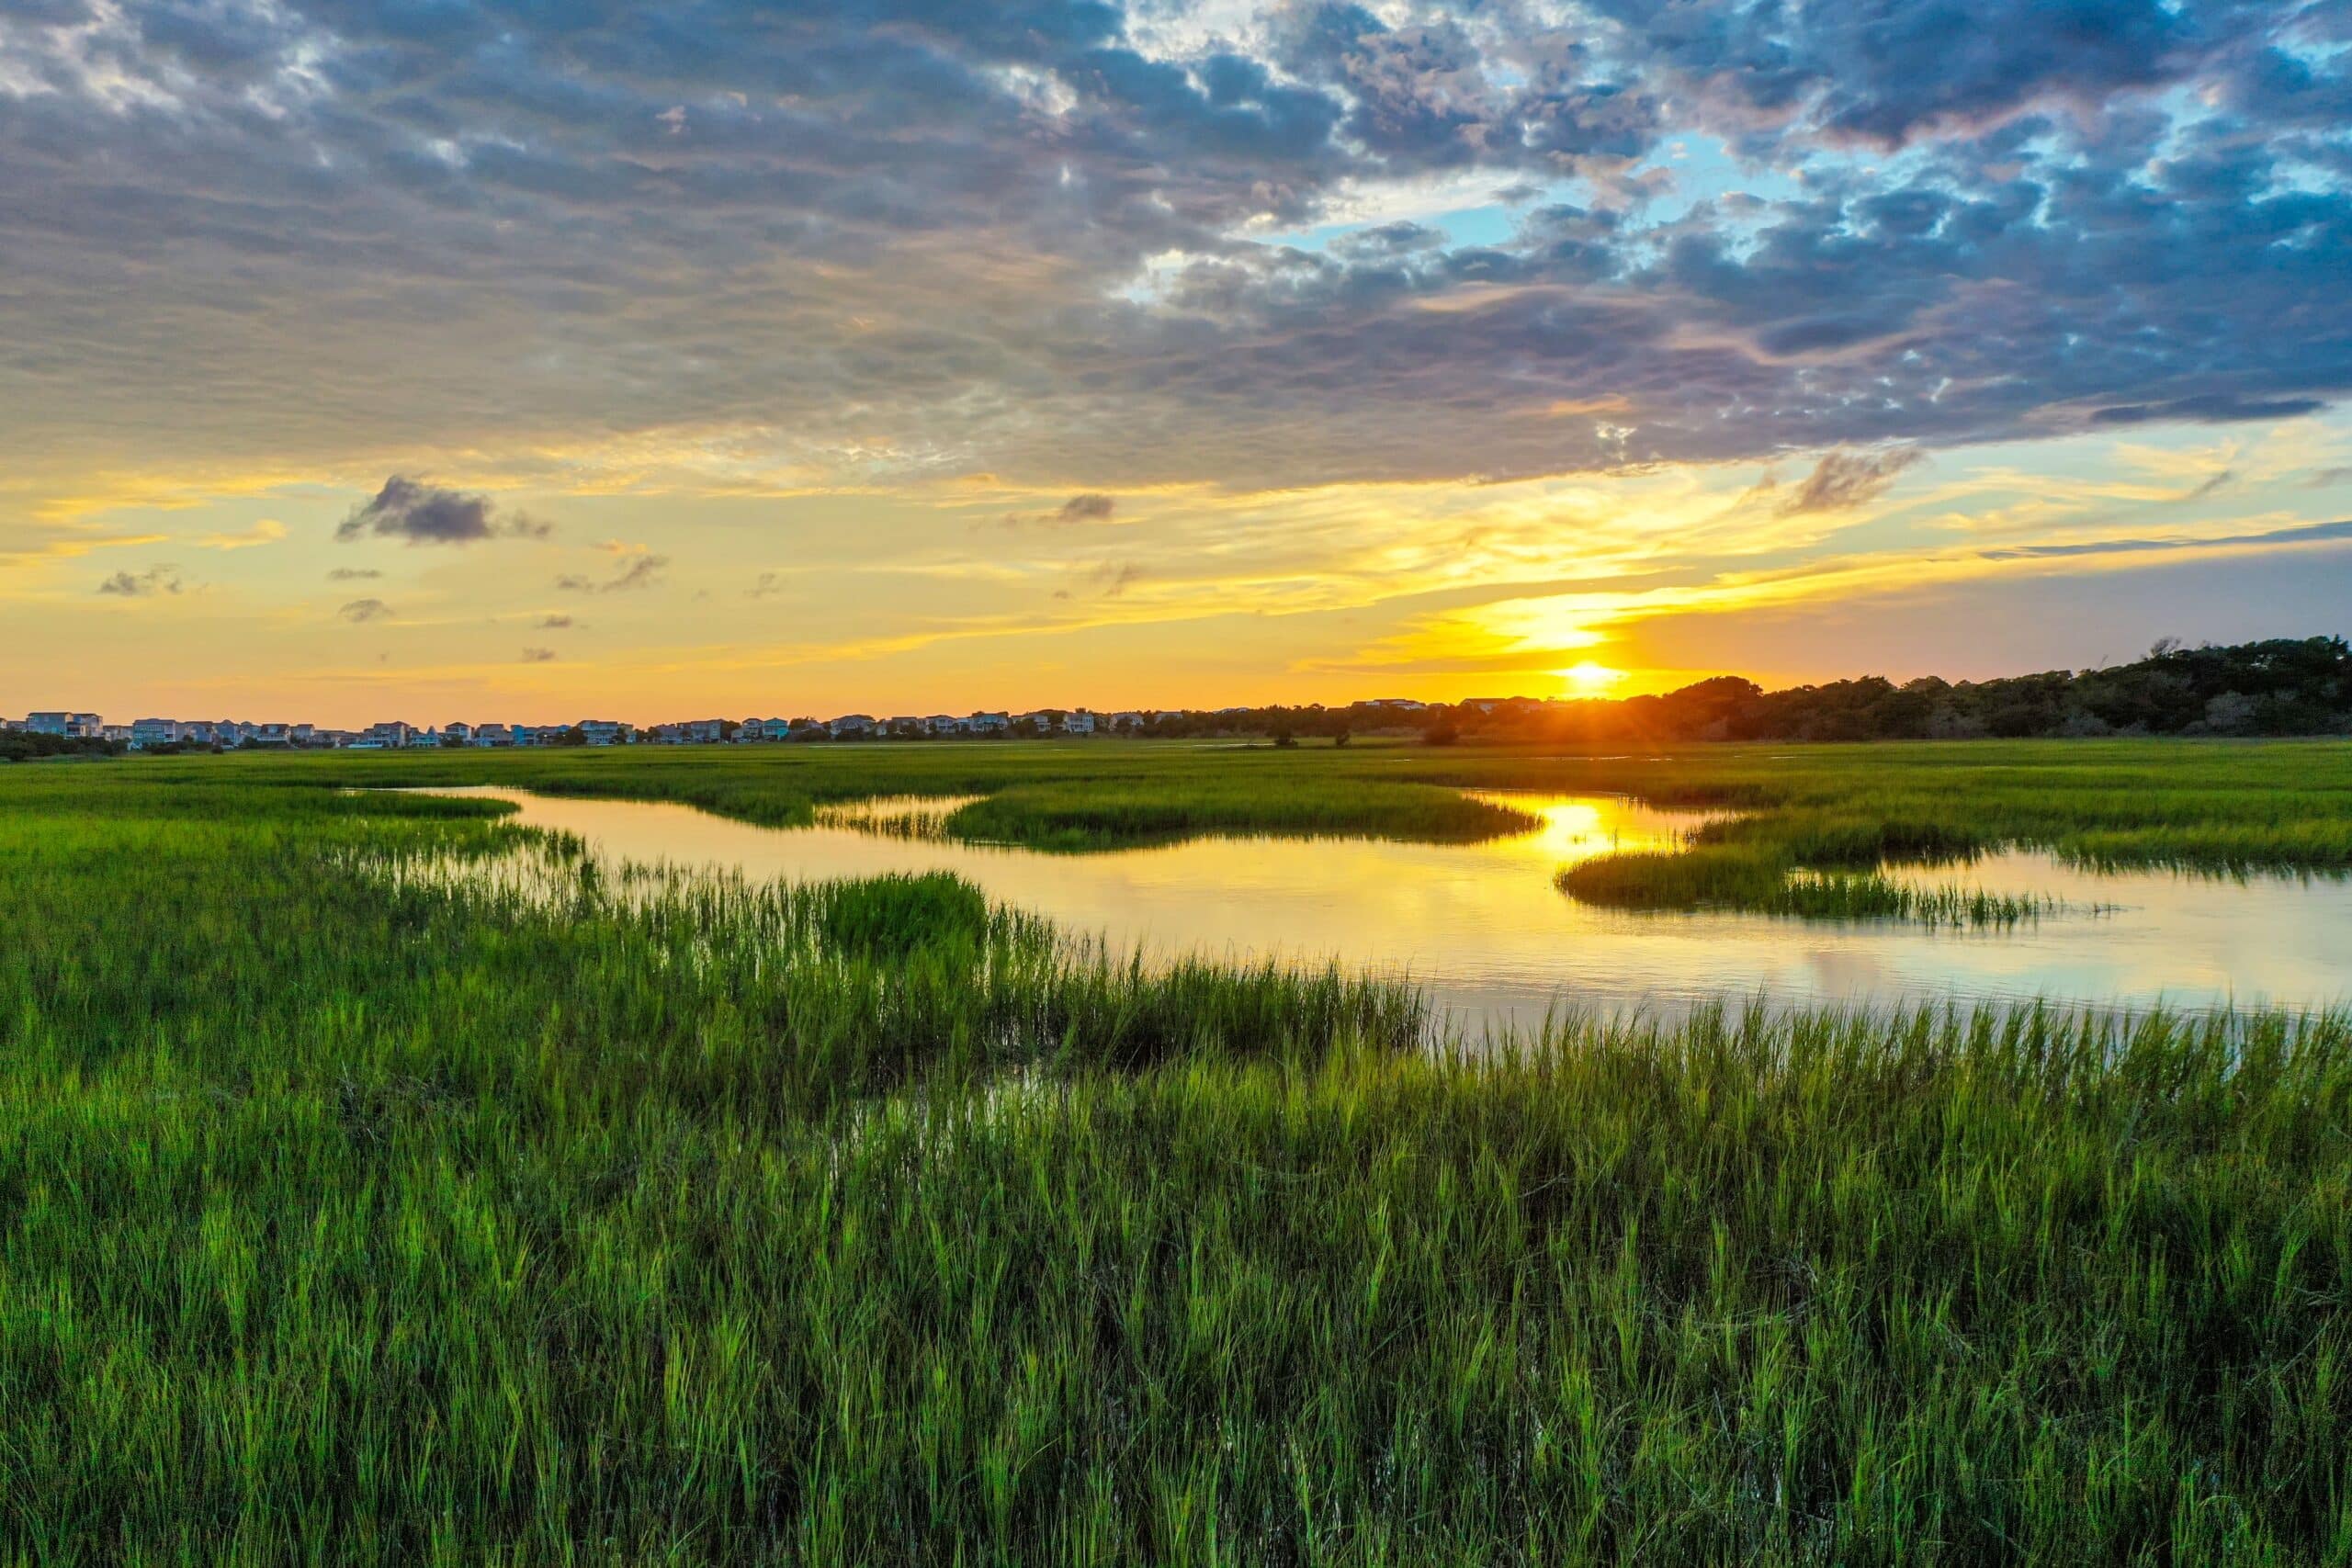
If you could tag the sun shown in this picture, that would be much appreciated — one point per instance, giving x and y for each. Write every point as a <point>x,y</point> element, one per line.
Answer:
<point>1588,679</point>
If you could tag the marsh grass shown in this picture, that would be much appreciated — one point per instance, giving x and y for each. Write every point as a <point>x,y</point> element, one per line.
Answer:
<point>354,1216</point>
<point>1809,832</point>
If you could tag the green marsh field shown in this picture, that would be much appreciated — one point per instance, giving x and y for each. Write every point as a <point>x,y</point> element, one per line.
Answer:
<point>360,1210</point>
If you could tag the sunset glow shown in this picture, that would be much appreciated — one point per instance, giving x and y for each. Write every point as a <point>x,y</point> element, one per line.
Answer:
<point>1590,680</point>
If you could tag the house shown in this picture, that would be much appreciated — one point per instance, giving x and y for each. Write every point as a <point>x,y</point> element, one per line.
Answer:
<point>851,724</point>
<point>493,735</point>
<point>1079,723</point>
<point>461,734</point>
<point>604,732</point>
<point>988,724</point>
<point>905,724</point>
<point>388,735</point>
<point>146,732</point>
<point>118,733</point>
<point>946,724</point>
<point>79,725</point>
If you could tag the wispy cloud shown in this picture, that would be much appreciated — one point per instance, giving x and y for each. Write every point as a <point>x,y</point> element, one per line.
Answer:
<point>1843,479</point>
<point>642,571</point>
<point>269,531</point>
<point>2311,534</point>
<point>361,611</point>
<point>157,580</point>
<point>1091,506</point>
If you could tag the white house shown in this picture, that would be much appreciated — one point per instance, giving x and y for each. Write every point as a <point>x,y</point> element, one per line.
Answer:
<point>604,732</point>
<point>146,732</point>
<point>851,724</point>
<point>1079,723</point>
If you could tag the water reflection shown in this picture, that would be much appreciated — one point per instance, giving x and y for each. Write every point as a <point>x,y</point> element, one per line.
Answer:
<point>1482,928</point>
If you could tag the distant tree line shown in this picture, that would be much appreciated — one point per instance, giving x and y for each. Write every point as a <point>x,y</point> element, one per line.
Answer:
<point>2285,686</point>
<point>25,746</point>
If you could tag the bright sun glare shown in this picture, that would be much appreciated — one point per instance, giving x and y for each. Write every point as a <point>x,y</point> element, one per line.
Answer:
<point>1588,679</point>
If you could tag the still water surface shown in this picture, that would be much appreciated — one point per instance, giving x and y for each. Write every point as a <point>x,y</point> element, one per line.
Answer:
<point>1482,929</point>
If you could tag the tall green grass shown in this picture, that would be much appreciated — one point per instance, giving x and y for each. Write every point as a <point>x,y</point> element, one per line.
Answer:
<point>352,1213</point>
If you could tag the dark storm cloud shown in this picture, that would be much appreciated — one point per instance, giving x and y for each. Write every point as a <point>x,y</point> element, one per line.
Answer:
<point>426,515</point>
<point>1035,237</point>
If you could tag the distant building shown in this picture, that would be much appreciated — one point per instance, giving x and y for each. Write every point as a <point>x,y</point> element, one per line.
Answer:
<point>1079,723</point>
<point>851,724</point>
<point>148,732</point>
<point>604,732</point>
<point>988,724</point>
<point>77,725</point>
<point>389,734</point>
<point>463,734</point>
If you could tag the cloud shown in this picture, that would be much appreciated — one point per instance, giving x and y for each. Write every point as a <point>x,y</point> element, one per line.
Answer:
<point>555,623</point>
<point>145,584</point>
<point>1089,247</point>
<point>354,574</point>
<point>770,582</point>
<point>2308,533</point>
<point>361,611</point>
<point>269,531</point>
<point>2218,408</point>
<point>1843,479</point>
<point>539,655</point>
<point>426,515</point>
<point>1106,580</point>
<point>1092,506</point>
<point>643,571</point>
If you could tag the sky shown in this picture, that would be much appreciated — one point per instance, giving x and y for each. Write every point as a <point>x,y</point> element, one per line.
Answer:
<point>438,360</point>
